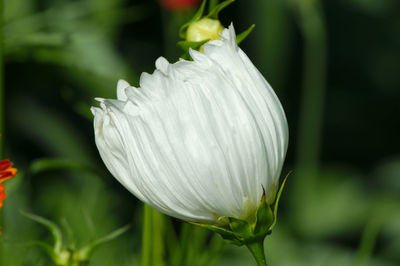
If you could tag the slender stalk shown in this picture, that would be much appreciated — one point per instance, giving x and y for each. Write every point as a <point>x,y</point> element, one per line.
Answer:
<point>368,241</point>
<point>257,250</point>
<point>146,236</point>
<point>212,4</point>
<point>312,26</point>
<point>1,109</point>
<point>1,80</point>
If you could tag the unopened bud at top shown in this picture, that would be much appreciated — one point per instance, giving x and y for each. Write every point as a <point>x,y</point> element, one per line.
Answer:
<point>204,29</point>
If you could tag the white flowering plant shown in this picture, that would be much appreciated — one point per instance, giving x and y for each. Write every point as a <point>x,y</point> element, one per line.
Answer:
<point>201,140</point>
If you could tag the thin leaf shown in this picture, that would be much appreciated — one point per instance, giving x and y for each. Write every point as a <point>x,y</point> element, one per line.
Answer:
<point>50,164</point>
<point>215,12</point>
<point>243,35</point>
<point>277,200</point>
<point>53,228</point>
<point>85,252</point>
<point>212,4</point>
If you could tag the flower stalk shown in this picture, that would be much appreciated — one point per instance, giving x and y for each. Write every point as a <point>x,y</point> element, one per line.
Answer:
<point>257,250</point>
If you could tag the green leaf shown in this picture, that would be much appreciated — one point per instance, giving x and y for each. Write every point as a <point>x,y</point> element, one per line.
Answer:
<point>196,17</point>
<point>243,35</point>
<point>277,200</point>
<point>264,217</point>
<point>49,164</point>
<point>84,253</point>
<point>53,228</point>
<point>215,12</point>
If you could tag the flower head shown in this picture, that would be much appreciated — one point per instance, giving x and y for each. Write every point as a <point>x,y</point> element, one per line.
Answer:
<point>6,172</point>
<point>200,139</point>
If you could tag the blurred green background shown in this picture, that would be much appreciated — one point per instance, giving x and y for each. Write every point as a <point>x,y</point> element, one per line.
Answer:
<point>334,65</point>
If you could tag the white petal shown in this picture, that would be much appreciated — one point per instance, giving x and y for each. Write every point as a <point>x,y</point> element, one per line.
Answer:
<point>162,65</point>
<point>121,86</point>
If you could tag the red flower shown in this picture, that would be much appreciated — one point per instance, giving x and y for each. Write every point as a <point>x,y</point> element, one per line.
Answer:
<point>6,172</point>
<point>176,5</point>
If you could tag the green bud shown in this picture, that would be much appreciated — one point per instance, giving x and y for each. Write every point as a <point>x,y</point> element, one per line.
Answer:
<point>204,29</point>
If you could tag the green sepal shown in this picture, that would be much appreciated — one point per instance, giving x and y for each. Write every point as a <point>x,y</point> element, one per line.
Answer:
<point>243,35</point>
<point>196,17</point>
<point>276,203</point>
<point>226,234</point>
<point>254,228</point>
<point>241,228</point>
<point>218,8</point>
<point>185,45</point>
<point>264,217</point>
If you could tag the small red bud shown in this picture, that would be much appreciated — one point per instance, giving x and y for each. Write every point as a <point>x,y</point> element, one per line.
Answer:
<point>178,5</point>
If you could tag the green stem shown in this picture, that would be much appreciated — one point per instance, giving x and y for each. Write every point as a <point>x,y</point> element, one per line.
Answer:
<point>146,236</point>
<point>257,250</point>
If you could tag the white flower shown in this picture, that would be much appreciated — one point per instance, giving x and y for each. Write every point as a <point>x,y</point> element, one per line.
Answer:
<point>199,139</point>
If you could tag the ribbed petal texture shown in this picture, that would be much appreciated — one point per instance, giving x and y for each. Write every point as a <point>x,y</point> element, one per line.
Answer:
<point>199,139</point>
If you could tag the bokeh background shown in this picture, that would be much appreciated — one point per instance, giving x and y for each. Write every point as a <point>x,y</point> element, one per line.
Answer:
<point>334,65</point>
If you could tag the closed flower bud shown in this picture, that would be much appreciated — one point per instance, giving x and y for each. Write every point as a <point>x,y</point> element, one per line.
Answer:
<point>204,29</point>
<point>199,140</point>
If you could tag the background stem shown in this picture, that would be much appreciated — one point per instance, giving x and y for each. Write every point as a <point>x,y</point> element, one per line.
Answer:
<point>158,237</point>
<point>152,237</point>
<point>312,26</point>
<point>1,109</point>
<point>1,80</point>
<point>146,236</point>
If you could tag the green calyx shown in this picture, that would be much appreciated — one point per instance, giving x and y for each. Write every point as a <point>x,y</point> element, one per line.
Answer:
<point>251,230</point>
<point>205,27</point>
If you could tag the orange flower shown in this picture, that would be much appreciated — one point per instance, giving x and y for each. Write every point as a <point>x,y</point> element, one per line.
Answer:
<point>6,172</point>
